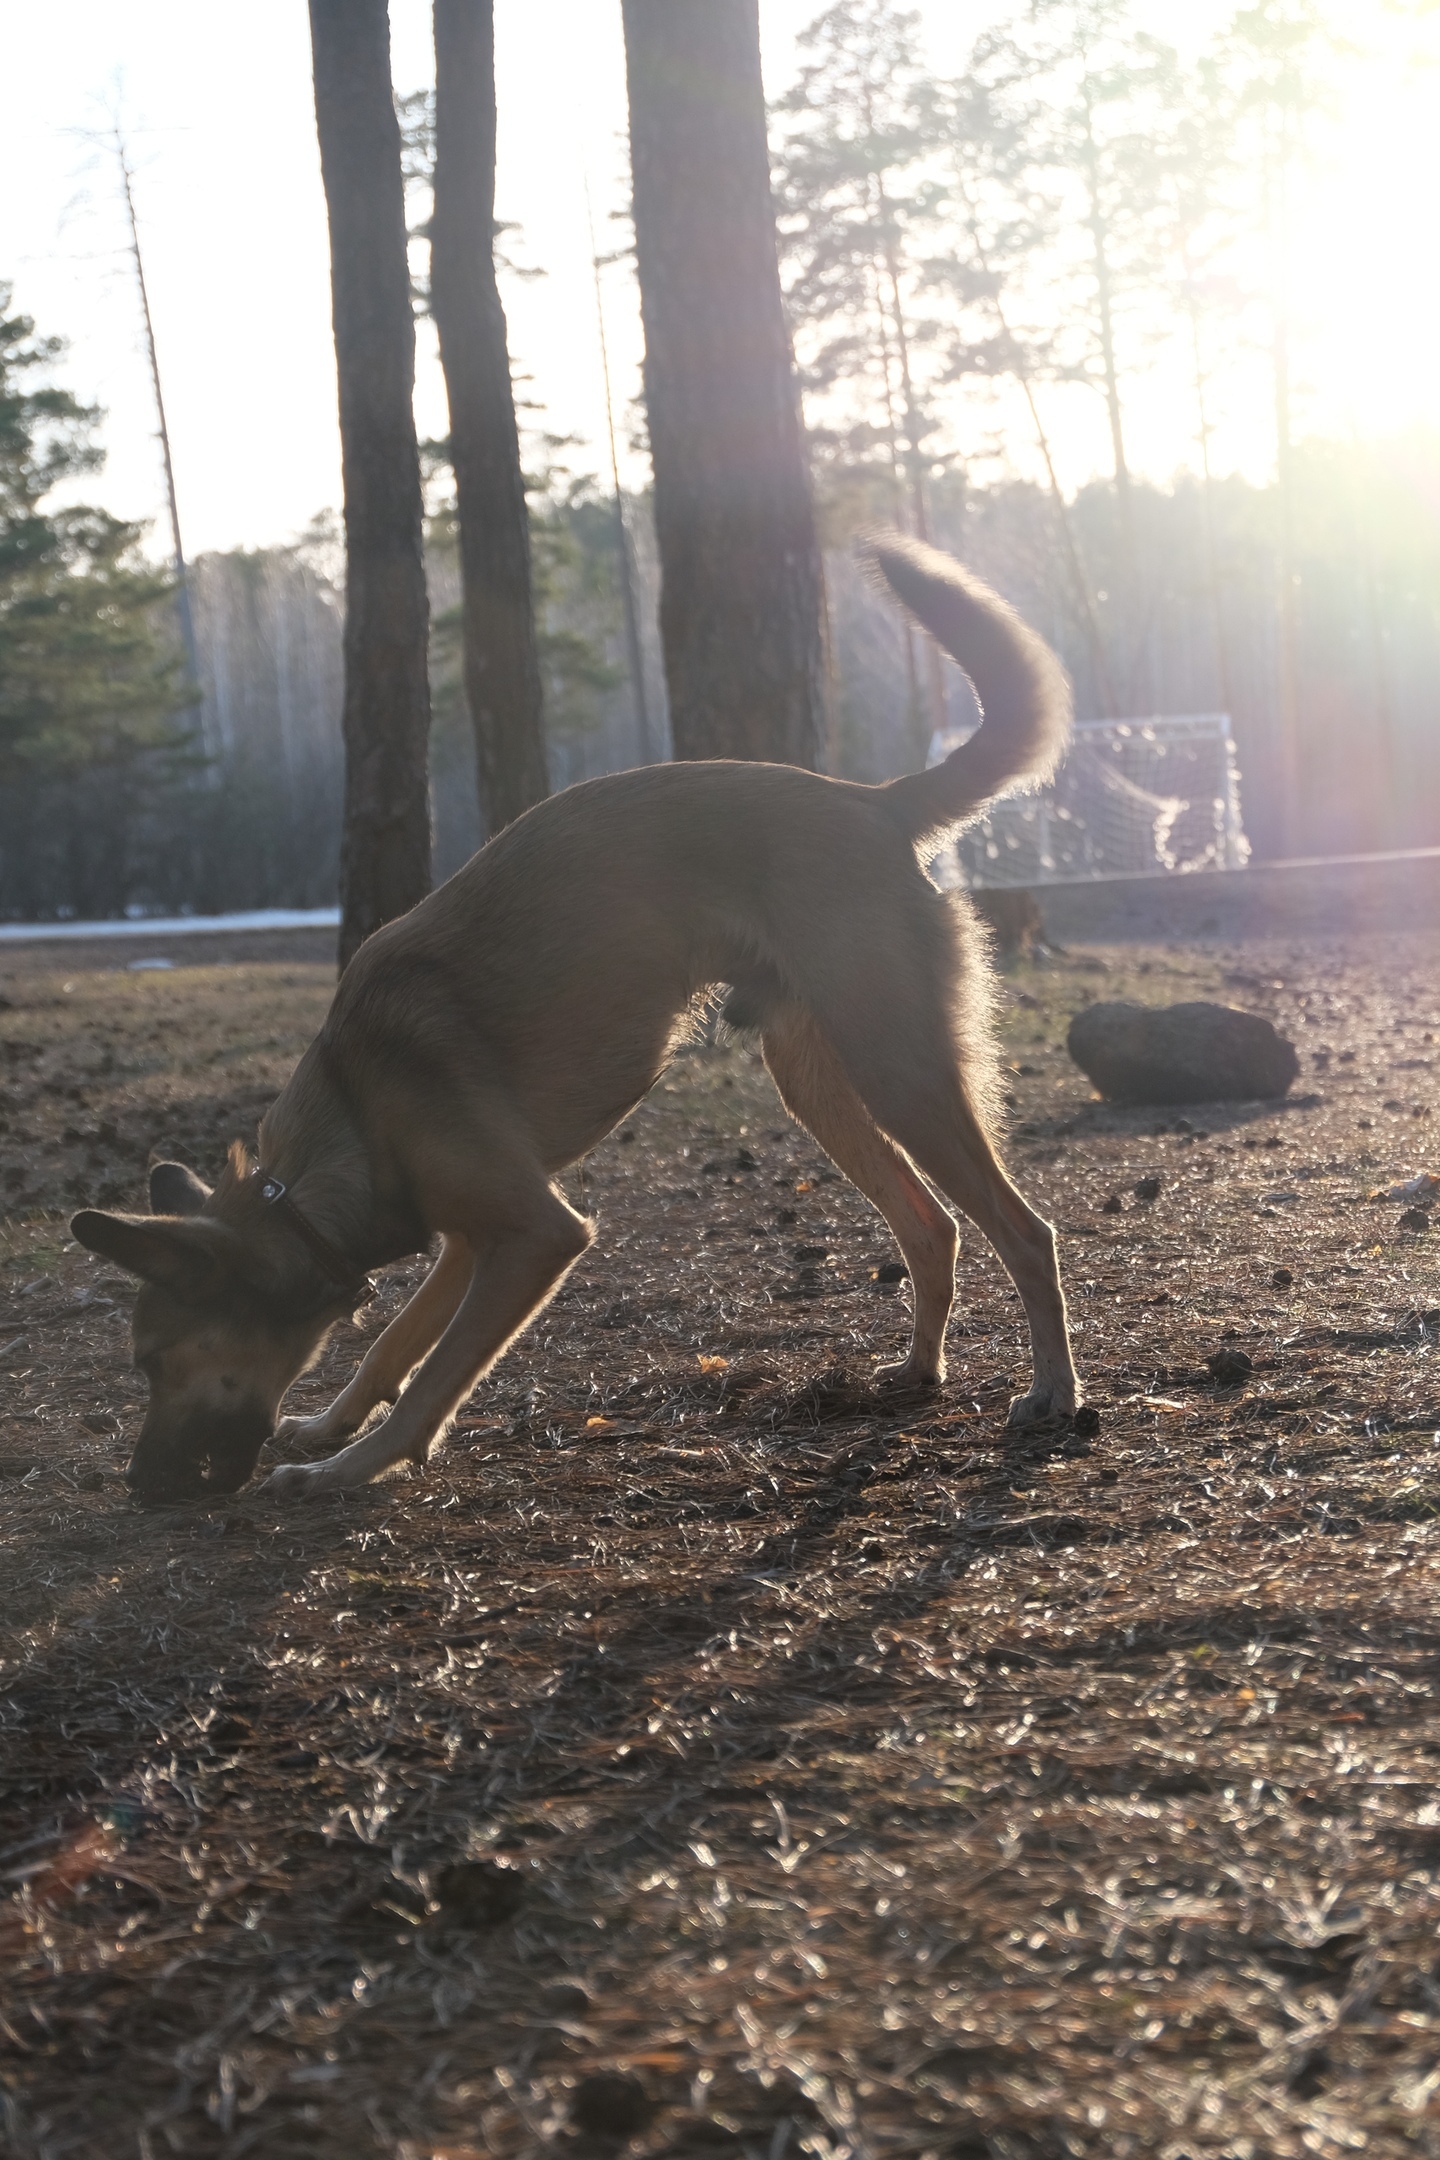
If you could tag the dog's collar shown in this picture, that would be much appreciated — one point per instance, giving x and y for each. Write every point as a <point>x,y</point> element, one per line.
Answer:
<point>341,1271</point>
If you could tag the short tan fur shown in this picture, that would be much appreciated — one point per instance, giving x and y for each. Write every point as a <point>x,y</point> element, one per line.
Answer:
<point>494,1035</point>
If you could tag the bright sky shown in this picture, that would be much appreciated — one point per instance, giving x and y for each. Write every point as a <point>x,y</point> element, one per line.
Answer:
<point>217,102</point>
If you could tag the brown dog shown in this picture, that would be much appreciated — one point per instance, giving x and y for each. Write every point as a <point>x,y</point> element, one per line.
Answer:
<point>502,1028</point>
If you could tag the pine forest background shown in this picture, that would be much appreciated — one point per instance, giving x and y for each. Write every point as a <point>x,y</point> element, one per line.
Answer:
<point>1073,210</point>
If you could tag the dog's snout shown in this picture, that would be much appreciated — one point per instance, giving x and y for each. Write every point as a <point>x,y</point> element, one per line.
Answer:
<point>155,1473</point>
<point>205,1454</point>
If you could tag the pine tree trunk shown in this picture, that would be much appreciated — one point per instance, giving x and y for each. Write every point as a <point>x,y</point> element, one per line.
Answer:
<point>1132,613</point>
<point>385,850</point>
<point>741,597</point>
<point>501,666</point>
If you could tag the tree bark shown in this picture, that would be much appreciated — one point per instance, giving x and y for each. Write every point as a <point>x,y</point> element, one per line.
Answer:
<point>741,606</point>
<point>385,849</point>
<point>1292,768</point>
<point>1138,687</point>
<point>500,663</point>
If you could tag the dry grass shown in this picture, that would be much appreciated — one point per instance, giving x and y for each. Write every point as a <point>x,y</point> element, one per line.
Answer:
<point>865,1785</point>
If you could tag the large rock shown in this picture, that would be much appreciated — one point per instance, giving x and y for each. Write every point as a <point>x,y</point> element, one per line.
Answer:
<point>1180,1053</point>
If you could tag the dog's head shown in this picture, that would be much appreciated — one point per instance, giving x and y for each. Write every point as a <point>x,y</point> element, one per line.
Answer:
<point>215,1336</point>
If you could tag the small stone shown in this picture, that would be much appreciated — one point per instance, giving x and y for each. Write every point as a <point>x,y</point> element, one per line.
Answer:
<point>610,2104</point>
<point>1309,2072</point>
<point>565,1998</point>
<point>1231,1368</point>
<point>959,2064</point>
<point>1148,1188</point>
<point>227,1731</point>
<point>696,2134</point>
<point>1113,1206</point>
<point>478,1894</point>
<point>1282,1278</point>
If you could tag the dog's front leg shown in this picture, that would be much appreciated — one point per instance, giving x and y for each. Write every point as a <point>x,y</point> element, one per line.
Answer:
<point>514,1274</point>
<point>393,1355</point>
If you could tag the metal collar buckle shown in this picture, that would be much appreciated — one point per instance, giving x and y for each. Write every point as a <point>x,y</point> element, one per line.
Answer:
<point>341,1270</point>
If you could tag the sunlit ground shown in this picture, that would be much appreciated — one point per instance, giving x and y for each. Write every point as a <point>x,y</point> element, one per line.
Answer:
<point>849,1772</point>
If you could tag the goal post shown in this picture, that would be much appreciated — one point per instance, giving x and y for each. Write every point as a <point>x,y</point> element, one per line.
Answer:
<point>1134,798</point>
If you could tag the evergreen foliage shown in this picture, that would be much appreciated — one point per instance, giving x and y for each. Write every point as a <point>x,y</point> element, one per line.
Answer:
<point>90,673</point>
<point>966,263</point>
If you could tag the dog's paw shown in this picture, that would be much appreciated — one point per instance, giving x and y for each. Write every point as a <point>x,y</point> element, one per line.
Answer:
<point>1042,1406</point>
<point>310,1431</point>
<point>911,1376</point>
<point>293,1481</point>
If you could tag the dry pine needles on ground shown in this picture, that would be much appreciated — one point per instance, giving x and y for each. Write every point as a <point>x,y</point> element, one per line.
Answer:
<point>704,1756</point>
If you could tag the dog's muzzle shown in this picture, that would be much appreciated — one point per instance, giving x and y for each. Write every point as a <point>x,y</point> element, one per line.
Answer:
<point>209,1455</point>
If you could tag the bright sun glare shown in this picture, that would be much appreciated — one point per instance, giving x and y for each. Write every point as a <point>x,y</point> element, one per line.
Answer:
<point>1366,267</point>
<point>229,263</point>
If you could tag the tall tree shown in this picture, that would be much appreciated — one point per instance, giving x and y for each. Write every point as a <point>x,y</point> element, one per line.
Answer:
<point>1202,170</point>
<point>500,662</point>
<point>385,852</point>
<point>853,194</point>
<point>1273,60</point>
<point>88,679</point>
<point>857,200</point>
<point>741,597</point>
<point>93,747</point>
<point>1093,95</point>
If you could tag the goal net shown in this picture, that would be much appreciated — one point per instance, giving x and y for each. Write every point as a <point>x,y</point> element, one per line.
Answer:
<point>1134,798</point>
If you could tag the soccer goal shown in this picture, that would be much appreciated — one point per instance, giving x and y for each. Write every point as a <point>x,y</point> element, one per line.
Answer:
<point>1134,798</point>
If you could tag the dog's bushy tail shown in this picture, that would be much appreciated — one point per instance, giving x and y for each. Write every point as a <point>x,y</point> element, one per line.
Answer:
<point>1023,691</point>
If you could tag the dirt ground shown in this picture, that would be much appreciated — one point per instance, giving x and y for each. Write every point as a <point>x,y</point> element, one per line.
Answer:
<point>834,1776</point>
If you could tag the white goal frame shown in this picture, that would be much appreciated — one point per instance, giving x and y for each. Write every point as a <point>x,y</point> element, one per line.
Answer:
<point>1154,797</point>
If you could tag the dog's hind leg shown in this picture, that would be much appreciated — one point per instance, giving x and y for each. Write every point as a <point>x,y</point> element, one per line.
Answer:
<point>972,1177</point>
<point>816,1090</point>
<point>393,1355</point>
<point>522,1247</point>
<point>899,1053</point>
<point>938,1127</point>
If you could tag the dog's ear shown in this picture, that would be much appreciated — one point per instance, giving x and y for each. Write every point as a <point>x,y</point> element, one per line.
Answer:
<point>174,1190</point>
<point>164,1250</point>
